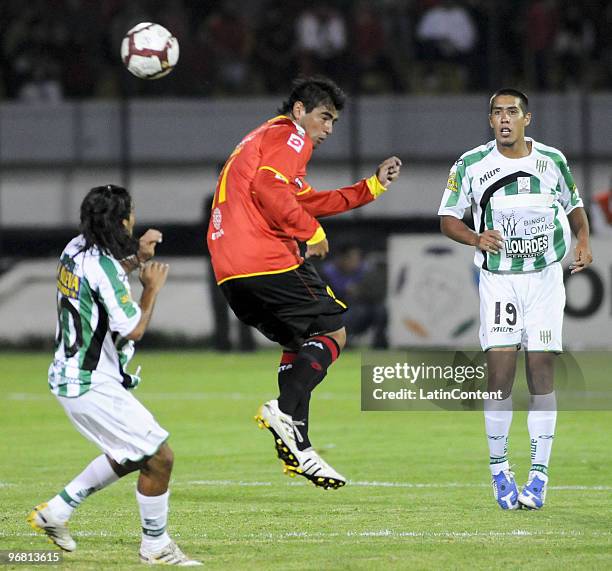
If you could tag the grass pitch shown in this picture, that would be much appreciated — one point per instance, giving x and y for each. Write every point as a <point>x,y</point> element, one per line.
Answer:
<point>418,495</point>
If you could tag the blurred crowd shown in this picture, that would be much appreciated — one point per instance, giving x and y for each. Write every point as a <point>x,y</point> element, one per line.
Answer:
<point>57,49</point>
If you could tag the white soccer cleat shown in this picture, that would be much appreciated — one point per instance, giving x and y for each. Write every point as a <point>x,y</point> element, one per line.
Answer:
<point>169,555</point>
<point>281,426</point>
<point>306,463</point>
<point>42,520</point>
<point>319,472</point>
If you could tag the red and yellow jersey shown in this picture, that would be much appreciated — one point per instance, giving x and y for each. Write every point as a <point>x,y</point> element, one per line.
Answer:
<point>263,205</point>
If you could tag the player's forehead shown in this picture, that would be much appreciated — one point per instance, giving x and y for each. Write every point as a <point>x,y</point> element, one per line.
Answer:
<point>506,102</point>
<point>327,110</point>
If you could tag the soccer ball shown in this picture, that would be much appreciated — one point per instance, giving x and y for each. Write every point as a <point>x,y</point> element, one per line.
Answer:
<point>149,51</point>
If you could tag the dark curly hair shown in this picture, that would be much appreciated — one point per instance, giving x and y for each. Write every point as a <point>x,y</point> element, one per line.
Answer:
<point>313,92</point>
<point>103,211</point>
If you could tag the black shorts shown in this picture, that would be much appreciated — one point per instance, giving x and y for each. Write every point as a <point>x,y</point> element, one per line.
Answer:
<point>287,307</point>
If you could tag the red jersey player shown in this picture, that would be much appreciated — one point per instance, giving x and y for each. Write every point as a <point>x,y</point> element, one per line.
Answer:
<point>262,208</point>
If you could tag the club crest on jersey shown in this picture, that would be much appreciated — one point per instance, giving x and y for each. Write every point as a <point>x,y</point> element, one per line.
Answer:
<point>295,142</point>
<point>541,165</point>
<point>545,336</point>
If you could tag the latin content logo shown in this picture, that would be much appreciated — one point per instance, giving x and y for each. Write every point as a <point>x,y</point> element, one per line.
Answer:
<point>485,177</point>
<point>526,248</point>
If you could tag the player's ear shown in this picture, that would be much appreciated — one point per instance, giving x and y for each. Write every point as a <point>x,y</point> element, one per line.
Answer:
<point>490,121</point>
<point>527,119</point>
<point>298,110</point>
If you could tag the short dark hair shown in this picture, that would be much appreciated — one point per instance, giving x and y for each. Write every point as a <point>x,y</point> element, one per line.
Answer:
<point>314,92</point>
<point>103,211</point>
<point>524,101</point>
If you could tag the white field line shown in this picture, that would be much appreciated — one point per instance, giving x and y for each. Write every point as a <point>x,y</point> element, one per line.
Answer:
<point>366,534</point>
<point>179,396</point>
<point>416,485</point>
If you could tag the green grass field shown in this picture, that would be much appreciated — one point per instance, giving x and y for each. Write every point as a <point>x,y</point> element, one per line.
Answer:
<point>418,495</point>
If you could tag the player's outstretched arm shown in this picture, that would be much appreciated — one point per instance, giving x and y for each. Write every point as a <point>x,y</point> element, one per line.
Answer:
<point>488,241</point>
<point>153,277</point>
<point>579,224</point>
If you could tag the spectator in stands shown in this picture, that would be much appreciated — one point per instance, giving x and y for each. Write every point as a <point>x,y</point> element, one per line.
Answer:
<point>321,41</point>
<point>274,53</point>
<point>447,38</point>
<point>374,66</point>
<point>229,40</point>
<point>541,28</point>
<point>362,285</point>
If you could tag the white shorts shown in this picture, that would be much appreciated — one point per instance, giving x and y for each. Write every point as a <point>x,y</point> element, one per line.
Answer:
<point>115,421</point>
<point>522,309</point>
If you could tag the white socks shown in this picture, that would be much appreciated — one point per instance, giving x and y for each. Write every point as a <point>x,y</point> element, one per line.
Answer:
<point>96,476</point>
<point>498,417</point>
<point>541,421</point>
<point>154,517</point>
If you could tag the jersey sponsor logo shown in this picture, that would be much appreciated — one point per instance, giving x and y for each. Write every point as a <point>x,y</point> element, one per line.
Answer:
<point>217,219</point>
<point>485,177</point>
<point>524,184</point>
<point>295,142</point>
<point>526,248</point>
<point>451,183</point>
<point>541,165</point>
<point>538,225</point>
<point>67,283</point>
<point>508,223</point>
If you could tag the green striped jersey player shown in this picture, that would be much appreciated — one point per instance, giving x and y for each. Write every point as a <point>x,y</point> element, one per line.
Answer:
<point>524,203</point>
<point>96,312</point>
<point>526,199</point>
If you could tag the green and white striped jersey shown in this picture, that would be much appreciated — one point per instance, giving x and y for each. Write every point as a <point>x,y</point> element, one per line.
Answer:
<point>95,312</point>
<point>526,199</point>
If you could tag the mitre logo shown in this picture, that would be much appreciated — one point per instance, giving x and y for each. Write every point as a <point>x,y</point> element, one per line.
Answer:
<point>485,177</point>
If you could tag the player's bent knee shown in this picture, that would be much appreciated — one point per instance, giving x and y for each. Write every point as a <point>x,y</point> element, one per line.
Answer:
<point>339,336</point>
<point>163,459</point>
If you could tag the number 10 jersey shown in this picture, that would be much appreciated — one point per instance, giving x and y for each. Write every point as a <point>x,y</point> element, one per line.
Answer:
<point>95,312</point>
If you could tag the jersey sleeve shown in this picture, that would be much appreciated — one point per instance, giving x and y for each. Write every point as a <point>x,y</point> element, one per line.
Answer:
<point>284,154</point>
<point>569,197</point>
<point>114,291</point>
<point>330,202</point>
<point>458,192</point>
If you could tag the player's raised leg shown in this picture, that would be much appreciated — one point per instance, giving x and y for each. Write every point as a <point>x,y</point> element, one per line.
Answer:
<point>541,422</point>
<point>52,517</point>
<point>501,364</point>
<point>287,417</point>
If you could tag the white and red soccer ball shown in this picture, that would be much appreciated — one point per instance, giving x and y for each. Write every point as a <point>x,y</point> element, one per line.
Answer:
<point>149,51</point>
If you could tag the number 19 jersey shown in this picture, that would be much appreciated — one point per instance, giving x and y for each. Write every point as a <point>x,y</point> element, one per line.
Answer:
<point>95,312</point>
<point>527,200</point>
